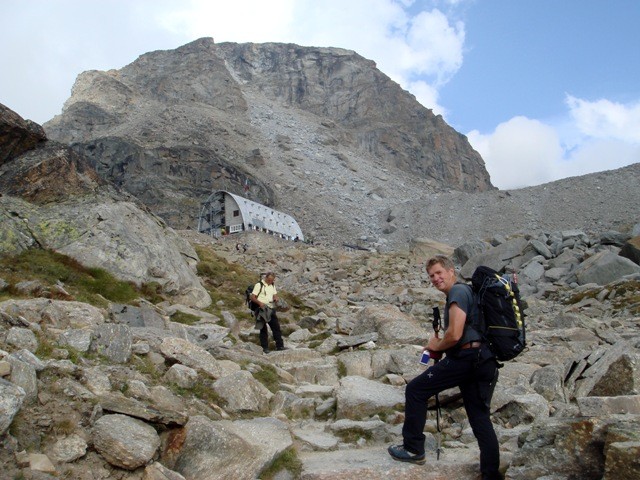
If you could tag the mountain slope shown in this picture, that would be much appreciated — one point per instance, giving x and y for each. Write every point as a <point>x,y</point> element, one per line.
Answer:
<point>319,133</point>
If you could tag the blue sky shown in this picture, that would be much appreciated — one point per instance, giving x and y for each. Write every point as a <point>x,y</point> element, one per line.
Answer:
<point>544,89</point>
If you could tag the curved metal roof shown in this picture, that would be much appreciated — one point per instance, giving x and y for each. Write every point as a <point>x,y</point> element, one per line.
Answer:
<point>259,215</point>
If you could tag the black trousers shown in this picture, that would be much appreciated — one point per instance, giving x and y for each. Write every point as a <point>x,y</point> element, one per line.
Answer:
<point>274,324</point>
<point>475,371</point>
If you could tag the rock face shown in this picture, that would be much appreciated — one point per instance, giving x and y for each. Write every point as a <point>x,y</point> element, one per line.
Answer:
<point>53,198</point>
<point>175,125</point>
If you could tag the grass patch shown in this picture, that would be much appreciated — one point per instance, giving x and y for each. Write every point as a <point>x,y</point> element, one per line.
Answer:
<point>45,348</point>
<point>342,369</point>
<point>578,297</point>
<point>65,426</point>
<point>226,283</point>
<point>268,376</point>
<point>287,460</point>
<point>185,318</point>
<point>200,390</point>
<point>84,284</point>
<point>351,435</point>
<point>145,366</point>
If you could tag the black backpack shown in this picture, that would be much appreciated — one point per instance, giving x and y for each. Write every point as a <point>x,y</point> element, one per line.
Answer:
<point>501,312</point>
<point>253,306</point>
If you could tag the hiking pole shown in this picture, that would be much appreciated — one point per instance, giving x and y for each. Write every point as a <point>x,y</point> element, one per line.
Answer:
<point>436,329</point>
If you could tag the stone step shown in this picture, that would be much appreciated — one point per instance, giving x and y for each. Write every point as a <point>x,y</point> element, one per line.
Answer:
<point>374,463</point>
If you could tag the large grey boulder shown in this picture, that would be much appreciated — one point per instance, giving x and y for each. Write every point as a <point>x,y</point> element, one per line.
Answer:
<point>57,313</point>
<point>605,267</point>
<point>243,393</point>
<point>113,341</point>
<point>497,257</point>
<point>228,450</point>
<point>190,355</point>
<point>614,373</point>
<point>358,398</point>
<point>124,441</point>
<point>24,375</point>
<point>631,250</point>
<point>392,325</point>
<point>470,249</point>
<point>11,398</point>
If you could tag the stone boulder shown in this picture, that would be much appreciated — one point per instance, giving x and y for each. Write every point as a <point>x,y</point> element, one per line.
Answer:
<point>605,267</point>
<point>358,398</point>
<point>393,326</point>
<point>497,257</point>
<point>124,441</point>
<point>56,313</point>
<point>631,250</point>
<point>190,355</point>
<point>11,398</point>
<point>211,450</point>
<point>424,248</point>
<point>243,393</point>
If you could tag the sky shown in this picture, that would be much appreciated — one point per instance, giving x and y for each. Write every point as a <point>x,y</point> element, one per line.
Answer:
<point>543,89</point>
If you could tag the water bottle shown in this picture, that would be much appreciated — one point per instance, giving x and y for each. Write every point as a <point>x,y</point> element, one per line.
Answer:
<point>424,359</point>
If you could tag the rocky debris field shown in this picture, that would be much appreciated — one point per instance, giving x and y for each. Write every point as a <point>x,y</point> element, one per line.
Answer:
<point>126,392</point>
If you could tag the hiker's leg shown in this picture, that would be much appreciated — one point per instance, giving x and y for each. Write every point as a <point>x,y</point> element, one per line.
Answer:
<point>264,337</point>
<point>275,329</point>
<point>444,374</point>
<point>477,400</point>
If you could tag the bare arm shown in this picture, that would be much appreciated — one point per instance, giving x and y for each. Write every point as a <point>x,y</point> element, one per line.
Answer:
<point>452,335</point>
<point>255,300</point>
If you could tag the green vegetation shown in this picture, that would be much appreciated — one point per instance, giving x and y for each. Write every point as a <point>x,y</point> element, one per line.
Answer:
<point>185,318</point>
<point>84,284</point>
<point>145,366</point>
<point>352,435</point>
<point>342,369</point>
<point>287,460</point>
<point>226,283</point>
<point>268,377</point>
<point>65,426</point>
<point>200,390</point>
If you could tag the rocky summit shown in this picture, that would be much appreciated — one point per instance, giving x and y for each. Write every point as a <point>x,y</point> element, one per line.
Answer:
<point>127,351</point>
<point>319,133</point>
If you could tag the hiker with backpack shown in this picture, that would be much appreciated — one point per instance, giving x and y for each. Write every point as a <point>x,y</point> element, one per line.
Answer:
<point>264,297</point>
<point>468,363</point>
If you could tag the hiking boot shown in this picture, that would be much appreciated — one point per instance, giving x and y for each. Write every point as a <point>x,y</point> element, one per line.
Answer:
<point>281,348</point>
<point>398,452</point>
<point>265,350</point>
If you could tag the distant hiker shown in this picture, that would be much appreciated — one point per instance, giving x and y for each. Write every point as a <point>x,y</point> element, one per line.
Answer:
<point>238,247</point>
<point>244,248</point>
<point>468,364</point>
<point>265,295</point>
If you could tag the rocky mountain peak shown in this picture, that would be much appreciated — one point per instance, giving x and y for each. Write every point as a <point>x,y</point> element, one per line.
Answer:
<point>309,128</point>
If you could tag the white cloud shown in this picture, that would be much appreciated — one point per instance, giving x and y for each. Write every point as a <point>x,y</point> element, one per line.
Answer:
<point>246,21</point>
<point>596,155</point>
<point>606,119</point>
<point>519,152</point>
<point>596,136</point>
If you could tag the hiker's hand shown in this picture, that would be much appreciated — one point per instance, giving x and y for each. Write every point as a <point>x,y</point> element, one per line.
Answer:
<point>435,355</point>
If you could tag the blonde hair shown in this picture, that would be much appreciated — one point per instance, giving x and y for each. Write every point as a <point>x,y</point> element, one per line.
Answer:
<point>443,260</point>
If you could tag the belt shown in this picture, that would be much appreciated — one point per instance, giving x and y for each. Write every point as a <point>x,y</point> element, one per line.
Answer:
<point>470,345</point>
